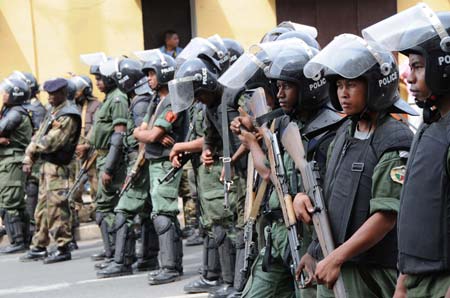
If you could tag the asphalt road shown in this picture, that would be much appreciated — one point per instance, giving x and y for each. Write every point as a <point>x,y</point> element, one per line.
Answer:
<point>77,278</point>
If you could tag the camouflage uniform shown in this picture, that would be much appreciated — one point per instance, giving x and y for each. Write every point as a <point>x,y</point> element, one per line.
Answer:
<point>52,211</point>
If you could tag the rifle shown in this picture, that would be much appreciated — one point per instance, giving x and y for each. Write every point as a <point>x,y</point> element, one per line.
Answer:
<point>309,171</point>
<point>87,164</point>
<point>140,160</point>
<point>184,158</point>
<point>279,180</point>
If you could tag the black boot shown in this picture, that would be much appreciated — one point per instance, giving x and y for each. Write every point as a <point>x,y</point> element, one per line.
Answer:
<point>124,253</point>
<point>222,292</point>
<point>195,239</point>
<point>34,254</point>
<point>15,228</point>
<point>171,251</point>
<point>102,265</point>
<point>164,276</point>
<point>60,255</point>
<point>99,256</point>
<point>147,259</point>
<point>108,244</point>
<point>201,285</point>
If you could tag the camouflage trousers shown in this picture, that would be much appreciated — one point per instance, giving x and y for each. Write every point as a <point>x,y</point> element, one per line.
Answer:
<point>188,192</point>
<point>52,215</point>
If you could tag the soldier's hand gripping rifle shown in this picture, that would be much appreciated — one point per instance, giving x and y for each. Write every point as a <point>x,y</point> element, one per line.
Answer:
<point>87,164</point>
<point>279,181</point>
<point>138,163</point>
<point>309,171</point>
<point>183,158</point>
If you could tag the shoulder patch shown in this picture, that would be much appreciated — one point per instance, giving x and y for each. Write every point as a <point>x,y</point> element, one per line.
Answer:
<point>171,117</point>
<point>398,174</point>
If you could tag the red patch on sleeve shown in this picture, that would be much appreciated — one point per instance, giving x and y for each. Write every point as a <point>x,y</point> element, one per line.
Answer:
<point>171,117</point>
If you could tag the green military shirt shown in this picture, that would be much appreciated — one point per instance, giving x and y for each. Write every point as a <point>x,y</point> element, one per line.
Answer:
<point>113,111</point>
<point>19,138</point>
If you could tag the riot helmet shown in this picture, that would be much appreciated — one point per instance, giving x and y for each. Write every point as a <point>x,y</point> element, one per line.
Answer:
<point>18,91</point>
<point>288,66</point>
<point>28,78</point>
<point>127,74</point>
<point>211,49</point>
<point>192,76</point>
<point>351,57</point>
<point>235,49</point>
<point>308,39</point>
<point>71,89</point>
<point>162,64</point>
<point>94,60</point>
<point>421,31</point>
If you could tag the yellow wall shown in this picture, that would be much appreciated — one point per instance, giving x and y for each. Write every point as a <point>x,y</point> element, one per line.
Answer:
<point>46,37</point>
<point>436,5</point>
<point>245,21</point>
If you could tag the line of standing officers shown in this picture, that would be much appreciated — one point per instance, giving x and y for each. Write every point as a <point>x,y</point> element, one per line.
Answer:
<point>385,189</point>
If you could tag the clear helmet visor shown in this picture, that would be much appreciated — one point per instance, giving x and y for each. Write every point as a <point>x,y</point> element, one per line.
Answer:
<point>18,76</point>
<point>109,67</point>
<point>181,92</point>
<point>149,55</point>
<point>80,83</point>
<point>93,58</point>
<point>257,104</point>
<point>348,56</point>
<point>312,31</point>
<point>407,29</point>
<point>196,46</point>
<point>259,57</point>
<point>241,71</point>
<point>289,60</point>
<point>5,86</point>
<point>142,87</point>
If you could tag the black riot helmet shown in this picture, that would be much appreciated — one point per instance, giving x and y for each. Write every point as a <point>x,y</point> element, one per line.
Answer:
<point>192,76</point>
<point>351,57</point>
<point>18,91</point>
<point>83,85</point>
<point>162,64</point>
<point>288,66</point>
<point>88,90</point>
<point>28,78</point>
<point>94,60</point>
<point>211,49</point>
<point>127,74</point>
<point>235,49</point>
<point>288,26</point>
<point>71,89</point>
<point>421,31</point>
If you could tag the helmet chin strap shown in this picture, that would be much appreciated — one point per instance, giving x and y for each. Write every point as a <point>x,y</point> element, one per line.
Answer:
<point>430,112</point>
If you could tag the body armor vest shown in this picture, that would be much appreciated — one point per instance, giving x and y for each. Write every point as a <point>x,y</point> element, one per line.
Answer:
<point>179,130</point>
<point>423,222</point>
<point>348,185</point>
<point>65,154</point>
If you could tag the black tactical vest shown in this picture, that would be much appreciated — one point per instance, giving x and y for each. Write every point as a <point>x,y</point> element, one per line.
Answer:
<point>65,155</point>
<point>423,221</point>
<point>179,130</point>
<point>348,185</point>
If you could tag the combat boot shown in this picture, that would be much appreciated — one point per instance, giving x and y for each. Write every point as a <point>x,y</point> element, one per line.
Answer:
<point>60,255</point>
<point>194,239</point>
<point>15,229</point>
<point>222,292</point>
<point>34,254</point>
<point>201,285</point>
<point>164,276</point>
